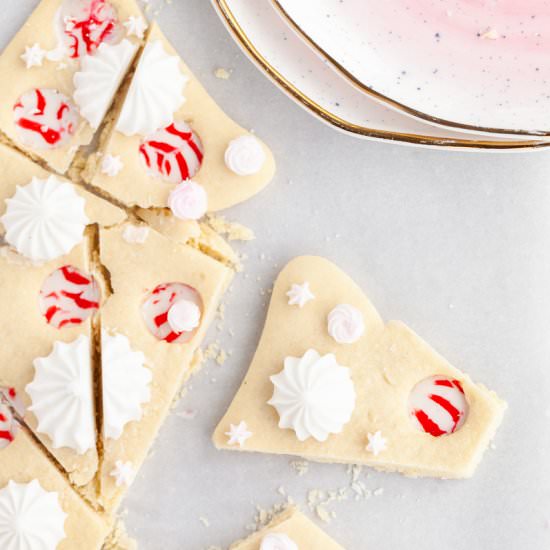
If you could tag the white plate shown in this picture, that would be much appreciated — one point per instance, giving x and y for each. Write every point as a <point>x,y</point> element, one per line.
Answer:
<point>297,70</point>
<point>474,65</point>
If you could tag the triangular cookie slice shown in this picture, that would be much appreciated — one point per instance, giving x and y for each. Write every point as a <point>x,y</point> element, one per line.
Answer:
<point>289,530</point>
<point>38,499</point>
<point>163,296</point>
<point>48,299</point>
<point>331,382</point>
<point>64,67</point>
<point>168,130</point>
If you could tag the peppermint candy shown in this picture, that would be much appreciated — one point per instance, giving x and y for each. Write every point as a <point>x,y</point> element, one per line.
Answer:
<point>85,24</point>
<point>173,154</point>
<point>7,426</point>
<point>68,297</point>
<point>44,118</point>
<point>438,406</point>
<point>166,323</point>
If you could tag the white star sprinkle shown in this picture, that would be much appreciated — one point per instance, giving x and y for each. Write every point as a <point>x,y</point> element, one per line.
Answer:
<point>238,434</point>
<point>377,443</point>
<point>111,165</point>
<point>123,473</point>
<point>135,26</point>
<point>299,295</point>
<point>33,56</point>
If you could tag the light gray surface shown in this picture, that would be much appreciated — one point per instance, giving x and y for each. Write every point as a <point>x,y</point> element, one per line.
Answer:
<point>455,244</point>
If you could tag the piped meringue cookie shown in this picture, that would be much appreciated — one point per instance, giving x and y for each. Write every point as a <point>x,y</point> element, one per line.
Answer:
<point>99,78</point>
<point>155,94</point>
<point>184,316</point>
<point>313,395</point>
<point>61,395</point>
<point>346,324</point>
<point>188,201</point>
<point>126,383</point>
<point>30,517</point>
<point>278,541</point>
<point>45,219</point>
<point>244,156</point>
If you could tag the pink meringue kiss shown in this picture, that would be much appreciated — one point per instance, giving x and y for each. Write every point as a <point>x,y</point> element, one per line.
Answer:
<point>188,201</point>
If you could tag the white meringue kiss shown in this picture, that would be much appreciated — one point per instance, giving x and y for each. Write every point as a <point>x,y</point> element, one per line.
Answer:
<point>245,156</point>
<point>184,316</point>
<point>188,201</point>
<point>345,324</point>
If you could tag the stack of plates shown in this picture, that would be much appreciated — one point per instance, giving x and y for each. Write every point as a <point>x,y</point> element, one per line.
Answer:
<point>452,73</point>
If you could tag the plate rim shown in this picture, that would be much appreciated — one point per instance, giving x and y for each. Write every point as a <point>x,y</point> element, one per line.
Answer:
<point>228,17</point>
<point>394,104</point>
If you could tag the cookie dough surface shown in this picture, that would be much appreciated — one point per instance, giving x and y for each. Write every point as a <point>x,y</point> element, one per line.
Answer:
<point>386,363</point>
<point>295,525</point>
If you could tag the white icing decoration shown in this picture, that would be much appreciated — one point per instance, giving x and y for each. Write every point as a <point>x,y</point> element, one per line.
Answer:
<point>30,517</point>
<point>345,324</point>
<point>155,94</point>
<point>123,473</point>
<point>278,541</point>
<point>238,434</point>
<point>111,165</point>
<point>125,383</point>
<point>99,78</point>
<point>188,201</point>
<point>299,295</point>
<point>135,234</point>
<point>45,219</point>
<point>184,316</point>
<point>313,395</point>
<point>62,395</point>
<point>34,56</point>
<point>377,443</point>
<point>245,156</point>
<point>135,26</point>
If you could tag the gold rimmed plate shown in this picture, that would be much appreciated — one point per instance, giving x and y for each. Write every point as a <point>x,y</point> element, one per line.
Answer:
<point>263,36</point>
<point>474,67</point>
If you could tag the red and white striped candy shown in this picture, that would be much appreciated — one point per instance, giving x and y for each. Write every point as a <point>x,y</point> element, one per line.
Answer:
<point>10,397</point>
<point>438,406</point>
<point>7,426</point>
<point>85,24</point>
<point>45,118</point>
<point>68,297</point>
<point>174,153</point>
<point>157,305</point>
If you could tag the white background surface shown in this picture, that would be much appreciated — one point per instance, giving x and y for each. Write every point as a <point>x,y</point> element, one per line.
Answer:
<point>455,244</point>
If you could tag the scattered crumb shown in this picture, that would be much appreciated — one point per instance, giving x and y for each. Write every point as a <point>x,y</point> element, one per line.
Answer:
<point>263,517</point>
<point>204,521</point>
<point>322,513</point>
<point>232,230</point>
<point>222,73</point>
<point>301,467</point>
<point>378,492</point>
<point>281,491</point>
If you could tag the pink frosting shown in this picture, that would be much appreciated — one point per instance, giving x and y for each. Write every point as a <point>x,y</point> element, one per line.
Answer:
<point>188,201</point>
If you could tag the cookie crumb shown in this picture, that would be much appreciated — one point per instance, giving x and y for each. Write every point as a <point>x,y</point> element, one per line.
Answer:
<point>222,73</point>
